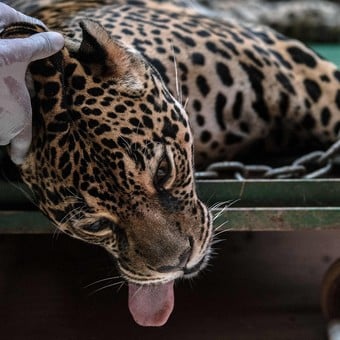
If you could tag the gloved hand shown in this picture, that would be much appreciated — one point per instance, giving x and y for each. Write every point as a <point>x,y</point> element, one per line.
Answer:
<point>15,103</point>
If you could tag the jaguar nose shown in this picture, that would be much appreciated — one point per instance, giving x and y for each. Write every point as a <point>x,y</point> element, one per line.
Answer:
<point>182,261</point>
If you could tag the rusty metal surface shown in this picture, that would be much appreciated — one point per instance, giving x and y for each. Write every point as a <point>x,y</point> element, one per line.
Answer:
<point>277,219</point>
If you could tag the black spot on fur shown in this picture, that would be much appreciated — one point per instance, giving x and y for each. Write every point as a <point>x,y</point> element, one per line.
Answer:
<point>202,85</point>
<point>95,91</point>
<point>47,105</point>
<point>184,38</point>
<point>220,103</point>
<point>232,138</point>
<point>109,143</point>
<point>79,100</point>
<point>203,33</point>
<point>43,70</point>
<point>238,104</point>
<point>66,171</point>
<point>337,75</point>
<point>148,122</point>
<point>325,78</point>
<point>256,77</point>
<point>160,68</point>
<point>51,88</point>
<point>198,58</point>
<point>200,120</point>
<point>337,129</point>
<point>250,54</point>
<point>102,128</point>
<point>308,121</point>
<point>302,57</point>
<point>337,99</point>
<point>263,36</point>
<point>281,59</point>
<point>78,82</point>
<point>313,89</point>
<point>205,136</point>
<point>120,108</point>
<point>197,105</point>
<point>145,109</point>
<point>64,159</point>
<point>169,129</point>
<point>230,46</point>
<point>224,74</point>
<point>244,127</point>
<point>284,103</point>
<point>212,47</point>
<point>285,82</point>
<point>125,131</point>
<point>325,116</point>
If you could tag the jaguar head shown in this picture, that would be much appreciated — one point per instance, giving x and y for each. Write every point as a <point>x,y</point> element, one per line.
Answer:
<point>111,163</point>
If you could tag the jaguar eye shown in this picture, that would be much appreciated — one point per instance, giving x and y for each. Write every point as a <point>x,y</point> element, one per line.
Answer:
<point>100,225</point>
<point>163,172</point>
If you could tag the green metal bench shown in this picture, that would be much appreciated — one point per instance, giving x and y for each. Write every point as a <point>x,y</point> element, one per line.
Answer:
<point>261,204</point>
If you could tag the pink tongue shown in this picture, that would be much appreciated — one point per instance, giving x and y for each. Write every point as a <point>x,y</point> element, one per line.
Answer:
<point>151,305</point>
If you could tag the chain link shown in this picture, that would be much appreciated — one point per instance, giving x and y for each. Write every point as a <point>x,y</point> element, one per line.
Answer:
<point>313,165</point>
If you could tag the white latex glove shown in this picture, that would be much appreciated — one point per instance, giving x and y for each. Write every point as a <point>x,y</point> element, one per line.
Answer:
<point>15,103</point>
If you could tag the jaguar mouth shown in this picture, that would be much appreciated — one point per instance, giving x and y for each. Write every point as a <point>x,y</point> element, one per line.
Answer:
<point>152,304</point>
<point>195,270</point>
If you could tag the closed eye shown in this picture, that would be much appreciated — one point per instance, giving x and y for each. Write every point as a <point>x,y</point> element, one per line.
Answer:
<point>99,225</point>
<point>163,172</point>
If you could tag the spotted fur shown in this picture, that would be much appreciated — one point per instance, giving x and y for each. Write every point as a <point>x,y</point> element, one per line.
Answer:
<point>112,156</point>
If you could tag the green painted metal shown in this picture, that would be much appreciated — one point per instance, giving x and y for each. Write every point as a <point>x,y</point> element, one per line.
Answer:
<point>272,193</point>
<point>274,204</point>
<point>328,51</point>
<point>277,219</point>
<point>24,222</point>
<point>14,194</point>
<point>250,205</point>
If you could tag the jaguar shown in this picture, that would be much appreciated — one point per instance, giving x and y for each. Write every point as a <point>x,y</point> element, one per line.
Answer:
<point>142,94</point>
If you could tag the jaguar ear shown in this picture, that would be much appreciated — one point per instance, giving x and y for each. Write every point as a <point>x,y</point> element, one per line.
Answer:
<point>110,58</point>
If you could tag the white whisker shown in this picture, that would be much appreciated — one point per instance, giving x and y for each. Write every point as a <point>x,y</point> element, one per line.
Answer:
<point>221,225</point>
<point>214,243</point>
<point>221,232</point>
<point>179,96</point>
<point>120,287</point>
<point>186,103</point>
<point>103,280</point>
<point>107,286</point>
<point>71,215</point>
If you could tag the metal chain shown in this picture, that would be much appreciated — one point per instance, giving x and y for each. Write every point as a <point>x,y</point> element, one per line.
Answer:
<point>315,164</point>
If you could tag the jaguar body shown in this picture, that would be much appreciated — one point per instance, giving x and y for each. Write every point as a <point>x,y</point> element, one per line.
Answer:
<point>143,92</point>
